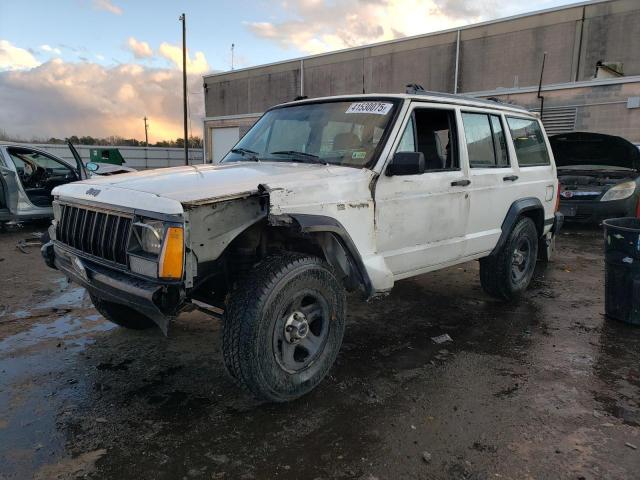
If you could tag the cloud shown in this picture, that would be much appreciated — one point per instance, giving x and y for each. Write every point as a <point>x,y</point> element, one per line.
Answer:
<point>173,53</point>
<point>107,6</point>
<point>62,99</point>
<point>50,49</point>
<point>139,49</point>
<point>15,58</point>
<point>316,26</point>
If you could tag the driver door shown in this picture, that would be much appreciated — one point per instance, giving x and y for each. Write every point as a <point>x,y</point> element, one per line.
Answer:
<point>421,219</point>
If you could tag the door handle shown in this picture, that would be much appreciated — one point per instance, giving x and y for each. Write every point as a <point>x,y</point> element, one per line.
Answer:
<point>510,178</point>
<point>460,183</point>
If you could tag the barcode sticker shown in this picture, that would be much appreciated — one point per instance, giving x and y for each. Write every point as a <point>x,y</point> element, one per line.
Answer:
<point>376,108</point>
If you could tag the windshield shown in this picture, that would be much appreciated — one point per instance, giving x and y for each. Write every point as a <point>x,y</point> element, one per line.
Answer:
<point>340,133</point>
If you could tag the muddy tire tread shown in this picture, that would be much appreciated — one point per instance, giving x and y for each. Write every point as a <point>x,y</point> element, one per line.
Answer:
<point>243,309</point>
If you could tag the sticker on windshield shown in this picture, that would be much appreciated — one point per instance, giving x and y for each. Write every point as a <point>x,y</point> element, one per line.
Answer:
<point>376,108</point>
<point>358,155</point>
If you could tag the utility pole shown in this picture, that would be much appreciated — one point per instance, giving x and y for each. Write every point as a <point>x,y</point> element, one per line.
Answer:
<point>233,46</point>
<point>146,132</point>
<point>183,19</point>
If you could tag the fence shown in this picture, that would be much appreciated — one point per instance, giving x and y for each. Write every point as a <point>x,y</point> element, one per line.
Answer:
<point>140,158</point>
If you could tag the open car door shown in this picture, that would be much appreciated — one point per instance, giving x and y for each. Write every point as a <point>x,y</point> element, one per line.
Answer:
<point>83,174</point>
<point>8,193</point>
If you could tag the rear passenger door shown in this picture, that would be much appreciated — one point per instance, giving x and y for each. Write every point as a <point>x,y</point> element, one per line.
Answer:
<point>537,173</point>
<point>494,177</point>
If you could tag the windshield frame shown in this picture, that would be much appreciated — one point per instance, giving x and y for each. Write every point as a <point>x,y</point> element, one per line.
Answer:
<point>373,161</point>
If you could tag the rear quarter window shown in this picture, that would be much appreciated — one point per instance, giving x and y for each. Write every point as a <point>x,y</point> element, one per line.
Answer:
<point>528,140</point>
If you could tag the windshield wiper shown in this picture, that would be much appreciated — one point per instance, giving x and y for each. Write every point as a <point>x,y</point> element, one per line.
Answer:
<point>245,152</point>
<point>302,156</point>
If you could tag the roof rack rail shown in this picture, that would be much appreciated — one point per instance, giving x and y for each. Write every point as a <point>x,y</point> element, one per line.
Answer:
<point>417,89</point>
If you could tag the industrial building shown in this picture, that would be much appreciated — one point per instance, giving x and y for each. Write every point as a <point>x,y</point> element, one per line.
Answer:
<point>590,80</point>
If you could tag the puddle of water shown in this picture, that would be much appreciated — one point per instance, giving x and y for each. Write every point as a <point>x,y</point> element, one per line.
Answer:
<point>61,328</point>
<point>74,297</point>
<point>39,382</point>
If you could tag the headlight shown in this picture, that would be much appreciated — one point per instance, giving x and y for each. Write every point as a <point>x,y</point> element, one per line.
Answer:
<point>619,192</point>
<point>157,249</point>
<point>149,235</point>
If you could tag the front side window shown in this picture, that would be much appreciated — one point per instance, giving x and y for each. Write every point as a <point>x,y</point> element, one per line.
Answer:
<point>432,132</point>
<point>35,167</point>
<point>486,143</point>
<point>341,133</point>
<point>528,141</point>
<point>408,140</point>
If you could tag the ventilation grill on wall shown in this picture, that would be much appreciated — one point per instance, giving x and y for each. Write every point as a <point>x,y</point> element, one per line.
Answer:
<point>559,119</point>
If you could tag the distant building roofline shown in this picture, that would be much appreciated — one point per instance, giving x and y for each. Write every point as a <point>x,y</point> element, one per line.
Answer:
<point>413,37</point>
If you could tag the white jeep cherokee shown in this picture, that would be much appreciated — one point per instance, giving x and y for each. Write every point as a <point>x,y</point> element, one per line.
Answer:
<point>321,196</point>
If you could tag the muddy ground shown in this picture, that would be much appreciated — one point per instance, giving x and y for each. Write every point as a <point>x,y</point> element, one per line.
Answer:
<point>542,388</point>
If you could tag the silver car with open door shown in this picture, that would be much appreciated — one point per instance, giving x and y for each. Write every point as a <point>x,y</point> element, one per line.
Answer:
<point>27,177</point>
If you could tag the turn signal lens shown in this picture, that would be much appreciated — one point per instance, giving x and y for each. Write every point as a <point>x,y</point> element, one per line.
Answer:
<point>172,255</point>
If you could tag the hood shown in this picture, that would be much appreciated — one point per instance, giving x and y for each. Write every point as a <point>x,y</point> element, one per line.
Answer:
<point>203,183</point>
<point>584,148</point>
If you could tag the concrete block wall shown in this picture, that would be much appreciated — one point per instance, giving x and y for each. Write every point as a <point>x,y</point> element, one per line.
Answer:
<point>492,55</point>
<point>600,108</point>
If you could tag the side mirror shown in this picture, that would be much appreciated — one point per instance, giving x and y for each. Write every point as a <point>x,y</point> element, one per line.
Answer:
<point>93,167</point>
<point>406,163</point>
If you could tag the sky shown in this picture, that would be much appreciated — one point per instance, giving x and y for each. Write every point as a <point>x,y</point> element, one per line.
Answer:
<point>97,67</point>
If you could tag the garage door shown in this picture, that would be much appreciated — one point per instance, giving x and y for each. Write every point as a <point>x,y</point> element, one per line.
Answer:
<point>223,140</point>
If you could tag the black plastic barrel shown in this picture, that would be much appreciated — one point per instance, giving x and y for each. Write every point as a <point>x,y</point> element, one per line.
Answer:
<point>622,269</point>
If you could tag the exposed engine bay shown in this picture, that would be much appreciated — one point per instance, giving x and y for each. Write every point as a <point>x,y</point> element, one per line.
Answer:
<point>596,180</point>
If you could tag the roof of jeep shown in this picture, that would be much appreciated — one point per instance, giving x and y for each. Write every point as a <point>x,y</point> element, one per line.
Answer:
<point>433,97</point>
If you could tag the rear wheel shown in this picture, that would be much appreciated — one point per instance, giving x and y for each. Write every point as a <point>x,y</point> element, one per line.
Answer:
<point>283,326</point>
<point>508,273</point>
<point>121,315</point>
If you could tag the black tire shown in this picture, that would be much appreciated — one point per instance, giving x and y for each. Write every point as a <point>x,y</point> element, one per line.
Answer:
<point>260,351</point>
<point>508,273</point>
<point>122,315</point>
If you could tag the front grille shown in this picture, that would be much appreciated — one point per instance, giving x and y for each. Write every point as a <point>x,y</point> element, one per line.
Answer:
<point>98,233</point>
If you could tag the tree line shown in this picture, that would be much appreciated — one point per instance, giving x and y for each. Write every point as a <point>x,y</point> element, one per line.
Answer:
<point>113,140</point>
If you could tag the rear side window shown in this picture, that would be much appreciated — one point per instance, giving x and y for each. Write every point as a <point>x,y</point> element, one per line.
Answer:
<point>486,144</point>
<point>528,141</point>
<point>499,142</point>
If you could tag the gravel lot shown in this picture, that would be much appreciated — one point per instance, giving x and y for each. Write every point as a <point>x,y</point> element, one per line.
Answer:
<point>542,388</point>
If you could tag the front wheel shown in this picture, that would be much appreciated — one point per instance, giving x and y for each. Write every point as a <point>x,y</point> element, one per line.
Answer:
<point>283,326</point>
<point>508,273</point>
